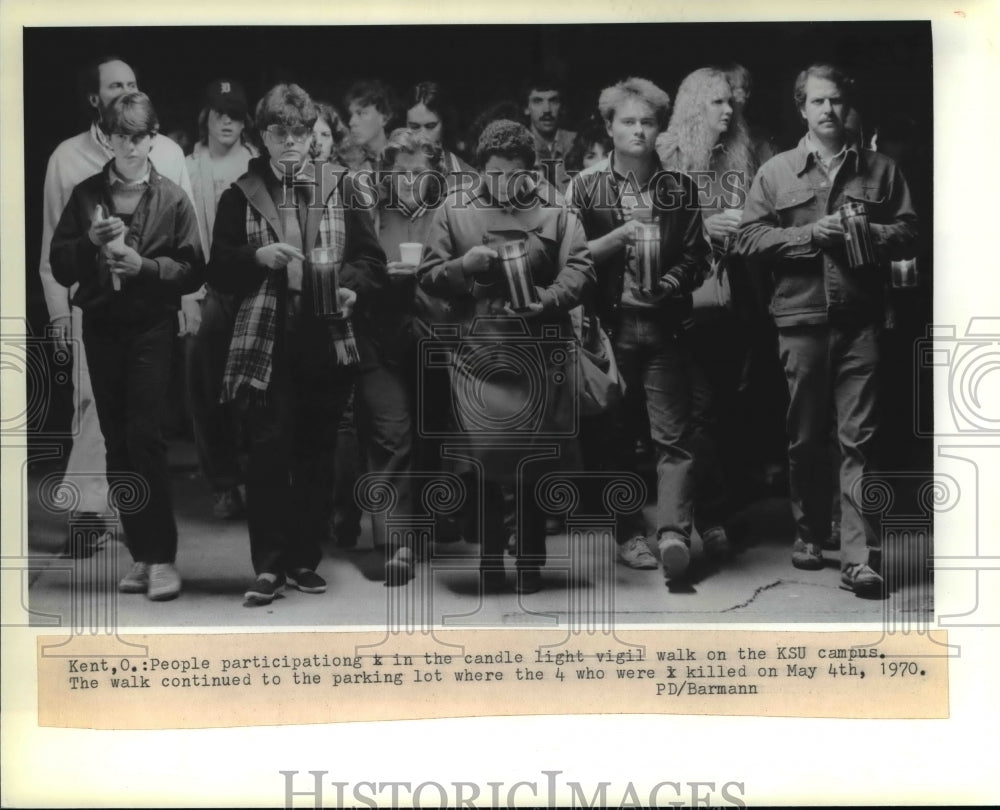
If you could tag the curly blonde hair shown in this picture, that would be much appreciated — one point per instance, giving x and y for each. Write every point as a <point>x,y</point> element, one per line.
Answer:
<point>689,144</point>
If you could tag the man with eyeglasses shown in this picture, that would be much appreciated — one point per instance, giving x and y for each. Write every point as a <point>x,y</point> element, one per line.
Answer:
<point>288,371</point>
<point>73,161</point>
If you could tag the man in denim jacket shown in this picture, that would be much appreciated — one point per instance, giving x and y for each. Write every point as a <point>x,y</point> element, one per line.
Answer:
<point>828,315</point>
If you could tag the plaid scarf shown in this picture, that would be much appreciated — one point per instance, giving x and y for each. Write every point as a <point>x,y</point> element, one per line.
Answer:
<point>249,365</point>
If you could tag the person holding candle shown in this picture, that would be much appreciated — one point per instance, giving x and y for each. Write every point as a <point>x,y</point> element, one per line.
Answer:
<point>461,267</point>
<point>828,314</point>
<point>708,139</point>
<point>618,199</point>
<point>130,223</point>
<point>289,370</point>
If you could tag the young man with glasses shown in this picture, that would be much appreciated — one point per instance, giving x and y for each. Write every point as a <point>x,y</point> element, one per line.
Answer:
<point>289,371</point>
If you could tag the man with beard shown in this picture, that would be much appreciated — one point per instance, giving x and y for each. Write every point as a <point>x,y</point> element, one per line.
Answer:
<point>74,160</point>
<point>543,104</point>
<point>828,314</point>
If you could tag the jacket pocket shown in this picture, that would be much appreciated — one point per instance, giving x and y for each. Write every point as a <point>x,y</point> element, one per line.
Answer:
<point>796,206</point>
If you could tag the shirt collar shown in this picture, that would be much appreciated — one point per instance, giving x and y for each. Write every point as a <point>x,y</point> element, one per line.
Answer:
<point>102,140</point>
<point>115,179</point>
<point>657,166</point>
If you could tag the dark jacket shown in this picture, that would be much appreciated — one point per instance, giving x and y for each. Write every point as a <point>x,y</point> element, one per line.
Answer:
<point>233,267</point>
<point>791,193</point>
<point>683,249</point>
<point>163,231</point>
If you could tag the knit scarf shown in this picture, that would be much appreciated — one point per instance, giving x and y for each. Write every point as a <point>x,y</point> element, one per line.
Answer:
<point>249,366</point>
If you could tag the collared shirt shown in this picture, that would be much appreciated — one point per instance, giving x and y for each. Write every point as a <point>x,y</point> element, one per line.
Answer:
<point>832,166</point>
<point>117,180</point>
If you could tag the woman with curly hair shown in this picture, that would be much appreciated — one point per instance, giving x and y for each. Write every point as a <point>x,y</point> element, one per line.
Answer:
<point>708,138</point>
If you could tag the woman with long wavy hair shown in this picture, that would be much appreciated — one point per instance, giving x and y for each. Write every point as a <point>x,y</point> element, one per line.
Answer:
<point>708,138</point>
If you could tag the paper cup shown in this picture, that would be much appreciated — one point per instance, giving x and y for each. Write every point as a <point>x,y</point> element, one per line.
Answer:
<point>410,252</point>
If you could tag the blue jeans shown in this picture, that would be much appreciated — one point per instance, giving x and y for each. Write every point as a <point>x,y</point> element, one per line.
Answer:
<point>831,373</point>
<point>653,358</point>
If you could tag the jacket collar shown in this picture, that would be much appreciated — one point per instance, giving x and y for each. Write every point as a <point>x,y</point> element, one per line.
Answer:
<point>804,156</point>
<point>111,177</point>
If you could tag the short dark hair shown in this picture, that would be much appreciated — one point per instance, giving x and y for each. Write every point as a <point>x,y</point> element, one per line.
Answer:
<point>506,139</point>
<point>373,93</point>
<point>823,70</point>
<point>131,114</point>
<point>542,84</point>
<point>285,104</point>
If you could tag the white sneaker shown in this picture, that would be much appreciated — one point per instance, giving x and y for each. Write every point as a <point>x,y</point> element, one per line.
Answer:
<point>675,555</point>
<point>164,582</point>
<point>136,580</point>
<point>636,554</point>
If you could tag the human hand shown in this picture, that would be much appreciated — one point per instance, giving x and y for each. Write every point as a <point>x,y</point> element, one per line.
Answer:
<point>124,262</point>
<point>190,320</point>
<point>828,231</point>
<point>478,260</point>
<point>276,256</point>
<point>346,299</point>
<point>60,329</point>
<point>106,230</point>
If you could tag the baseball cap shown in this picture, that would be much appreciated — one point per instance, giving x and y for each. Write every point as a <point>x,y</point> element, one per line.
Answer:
<point>226,96</point>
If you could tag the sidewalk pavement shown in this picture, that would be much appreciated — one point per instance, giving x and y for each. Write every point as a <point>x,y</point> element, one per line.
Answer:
<point>758,585</point>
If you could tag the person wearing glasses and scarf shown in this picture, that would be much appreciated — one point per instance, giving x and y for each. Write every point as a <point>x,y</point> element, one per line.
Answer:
<point>288,370</point>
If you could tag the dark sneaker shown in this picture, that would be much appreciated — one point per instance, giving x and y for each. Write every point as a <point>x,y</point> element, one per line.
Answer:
<point>529,580</point>
<point>164,582</point>
<point>492,580</point>
<point>136,580</point>
<point>807,556</point>
<point>636,554</point>
<point>399,567</point>
<point>863,580</point>
<point>263,591</point>
<point>227,505</point>
<point>306,580</point>
<point>832,543</point>
<point>717,545</point>
<point>675,554</point>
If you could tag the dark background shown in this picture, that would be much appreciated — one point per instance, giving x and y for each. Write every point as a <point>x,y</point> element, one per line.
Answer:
<point>478,65</point>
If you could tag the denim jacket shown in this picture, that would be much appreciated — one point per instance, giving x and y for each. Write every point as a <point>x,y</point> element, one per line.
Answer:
<point>790,193</point>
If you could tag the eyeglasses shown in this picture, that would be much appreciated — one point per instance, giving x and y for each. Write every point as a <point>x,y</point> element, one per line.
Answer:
<point>280,133</point>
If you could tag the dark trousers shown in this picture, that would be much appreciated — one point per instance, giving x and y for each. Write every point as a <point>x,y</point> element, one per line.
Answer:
<point>292,442</point>
<point>718,423</point>
<point>215,425</point>
<point>655,360</point>
<point>385,431</point>
<point>530,525</point>
<point>831,374</point>
<point>130,376</point>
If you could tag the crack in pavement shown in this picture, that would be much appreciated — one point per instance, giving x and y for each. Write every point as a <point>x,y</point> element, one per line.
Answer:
<point>754,595</point>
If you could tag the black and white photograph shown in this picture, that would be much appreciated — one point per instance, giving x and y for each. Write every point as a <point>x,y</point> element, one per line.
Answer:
<point>595,332</point>
<point>331,323</point>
